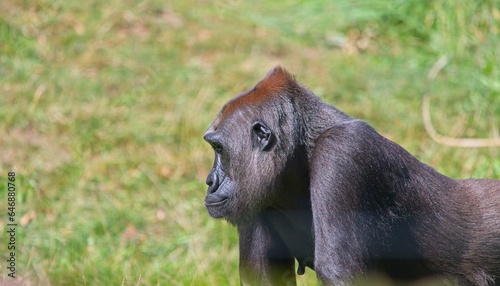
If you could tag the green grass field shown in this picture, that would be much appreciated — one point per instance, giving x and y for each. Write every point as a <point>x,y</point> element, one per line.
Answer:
<point>103,105</point>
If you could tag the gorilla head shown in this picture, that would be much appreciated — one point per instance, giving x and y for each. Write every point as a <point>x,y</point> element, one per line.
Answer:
<point>257,150</point>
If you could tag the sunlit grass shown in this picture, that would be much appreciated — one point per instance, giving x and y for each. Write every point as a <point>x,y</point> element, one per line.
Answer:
<point>103,105</point>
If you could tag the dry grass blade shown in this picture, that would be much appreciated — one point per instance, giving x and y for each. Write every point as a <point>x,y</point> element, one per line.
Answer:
<point>447,140</point>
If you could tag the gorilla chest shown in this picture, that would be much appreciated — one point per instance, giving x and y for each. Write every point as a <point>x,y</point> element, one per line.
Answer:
<point>295,230</point>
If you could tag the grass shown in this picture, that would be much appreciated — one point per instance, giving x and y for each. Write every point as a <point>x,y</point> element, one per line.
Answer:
<point>103,105</point>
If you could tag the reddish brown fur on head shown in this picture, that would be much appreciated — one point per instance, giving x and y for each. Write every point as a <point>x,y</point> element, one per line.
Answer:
<point>276,81</point>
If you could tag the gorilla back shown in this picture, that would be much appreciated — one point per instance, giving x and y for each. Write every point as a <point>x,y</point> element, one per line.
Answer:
<point>302,180</point>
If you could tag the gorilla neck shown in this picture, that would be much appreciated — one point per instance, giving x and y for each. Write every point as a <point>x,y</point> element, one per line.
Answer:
<point>316,117</point>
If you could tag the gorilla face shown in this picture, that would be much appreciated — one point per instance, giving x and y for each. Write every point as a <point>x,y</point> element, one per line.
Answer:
<point>241,181</point>
<point>220,187</point>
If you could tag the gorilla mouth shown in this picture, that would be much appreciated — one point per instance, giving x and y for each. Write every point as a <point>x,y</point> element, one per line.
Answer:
<point>216,204</point>
<point>217,209</point>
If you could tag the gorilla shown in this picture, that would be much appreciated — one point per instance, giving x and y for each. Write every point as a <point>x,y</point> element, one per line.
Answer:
<point>303,181</point>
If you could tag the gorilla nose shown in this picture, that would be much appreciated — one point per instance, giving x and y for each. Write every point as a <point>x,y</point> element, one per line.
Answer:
<point>212,182</point>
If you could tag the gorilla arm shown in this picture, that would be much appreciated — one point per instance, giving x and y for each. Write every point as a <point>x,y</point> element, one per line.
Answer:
<point>338,222</point>
<point>264,258</point>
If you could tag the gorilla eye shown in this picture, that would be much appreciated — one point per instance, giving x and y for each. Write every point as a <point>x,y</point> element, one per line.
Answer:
<point>213,139</point>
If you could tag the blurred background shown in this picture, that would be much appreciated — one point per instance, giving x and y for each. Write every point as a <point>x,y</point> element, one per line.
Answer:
<point>103,105</point>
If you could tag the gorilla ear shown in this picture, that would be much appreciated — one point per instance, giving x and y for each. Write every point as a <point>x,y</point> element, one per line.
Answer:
<point>263,137</point>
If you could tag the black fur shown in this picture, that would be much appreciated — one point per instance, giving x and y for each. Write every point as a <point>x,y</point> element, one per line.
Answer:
<point>302,180</point>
